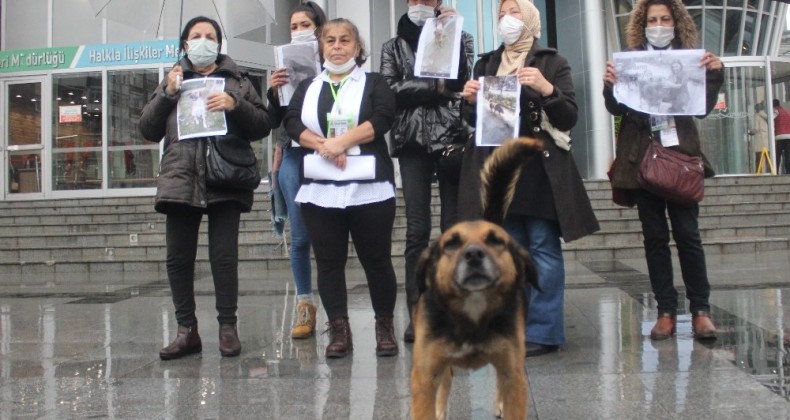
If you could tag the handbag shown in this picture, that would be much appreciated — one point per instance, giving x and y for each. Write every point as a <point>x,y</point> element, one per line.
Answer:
<point>231,163</point>
<point>672,175</point>
<point>620,196</point>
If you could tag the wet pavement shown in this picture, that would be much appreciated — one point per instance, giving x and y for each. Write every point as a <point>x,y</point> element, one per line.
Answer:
<point>86,351</point>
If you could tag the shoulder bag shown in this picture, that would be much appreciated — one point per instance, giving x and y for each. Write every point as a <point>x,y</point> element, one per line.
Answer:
<point>620,196</point>
<point>672,175</point>
<point>231,163</point>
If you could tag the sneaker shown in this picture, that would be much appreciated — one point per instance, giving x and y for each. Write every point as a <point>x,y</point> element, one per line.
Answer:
<point>305,321</point>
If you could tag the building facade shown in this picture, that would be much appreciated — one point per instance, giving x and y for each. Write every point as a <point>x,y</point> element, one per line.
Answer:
<point>73,81</point>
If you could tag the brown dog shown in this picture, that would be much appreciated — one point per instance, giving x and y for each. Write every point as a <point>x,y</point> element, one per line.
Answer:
<point>472,307</point>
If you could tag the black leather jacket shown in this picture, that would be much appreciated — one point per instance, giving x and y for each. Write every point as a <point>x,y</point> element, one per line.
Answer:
<point>427,113</point>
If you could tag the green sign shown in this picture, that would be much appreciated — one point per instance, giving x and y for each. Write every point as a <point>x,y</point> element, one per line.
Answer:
<point>37,59</point>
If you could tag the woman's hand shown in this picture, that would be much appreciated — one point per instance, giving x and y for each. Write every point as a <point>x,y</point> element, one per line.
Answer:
<point>331,149</point>
<point>710,61</point>
<point>533,78</point>
<point>278,78</point>
<point>470,91</point>
<point>446,11</point>
<point>174,78</point>
<point>610,77</point>
<point>220,101</point>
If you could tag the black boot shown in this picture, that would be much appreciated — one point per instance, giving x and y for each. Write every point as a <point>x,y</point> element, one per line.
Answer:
<point>385,337</point>
<point>339,338</point>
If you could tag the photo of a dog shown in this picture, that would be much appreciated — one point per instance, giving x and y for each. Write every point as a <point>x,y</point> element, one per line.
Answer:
<point>472,307</point>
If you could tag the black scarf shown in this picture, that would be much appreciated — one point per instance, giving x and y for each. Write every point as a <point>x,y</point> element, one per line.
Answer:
<point>409,31</point>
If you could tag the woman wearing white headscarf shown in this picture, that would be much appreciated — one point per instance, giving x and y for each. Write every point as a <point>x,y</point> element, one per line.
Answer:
<point>550,201</point>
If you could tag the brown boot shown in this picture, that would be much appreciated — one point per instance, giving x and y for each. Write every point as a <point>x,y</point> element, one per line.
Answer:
<point>665,327</point>
<point>187,342</point>
<point>702,326</point>
<point>339,338</point>
<point>305,320</point>
<point>385,337</point>
<point>229,344</point>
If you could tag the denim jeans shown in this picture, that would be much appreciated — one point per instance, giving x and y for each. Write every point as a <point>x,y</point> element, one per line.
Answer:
<point>685,231</point>
<point>289,179</point>
<point>417,167</point>
<point>541,237</point>
<point>223,250</point>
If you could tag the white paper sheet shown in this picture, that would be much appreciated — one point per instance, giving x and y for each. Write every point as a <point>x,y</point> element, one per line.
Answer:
<point>301,62</point>
<point>358,168</point>
<point>668,82</point>
<point>439,48</point>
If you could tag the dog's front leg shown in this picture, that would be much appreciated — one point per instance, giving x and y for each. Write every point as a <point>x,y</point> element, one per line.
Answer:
<point>511,385</point>
<point>427,374</point>
<point>443,394</point>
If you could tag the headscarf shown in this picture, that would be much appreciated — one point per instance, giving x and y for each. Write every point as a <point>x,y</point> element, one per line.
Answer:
<point>515,54</point>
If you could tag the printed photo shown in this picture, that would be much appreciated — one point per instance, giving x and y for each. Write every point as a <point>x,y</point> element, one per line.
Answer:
<point>194,120</point>
<point>301,62</point>
<point>661,82</point>
<point>498,109</point>
<point>439,49</point>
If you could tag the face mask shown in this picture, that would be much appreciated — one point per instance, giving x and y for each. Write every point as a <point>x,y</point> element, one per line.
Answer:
<point>340,68</point>
<point>420,13</point>
<point>303,36</point>
<point>660,36</point>
<point>202,52</point>
<point>510,29</point>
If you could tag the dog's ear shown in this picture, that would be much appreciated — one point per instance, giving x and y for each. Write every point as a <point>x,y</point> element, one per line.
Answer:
<point>426,266</point>
<point>525,266</point>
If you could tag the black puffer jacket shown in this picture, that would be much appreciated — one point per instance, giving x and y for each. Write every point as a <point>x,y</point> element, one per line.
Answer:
<point>181,180</point>
<point>427,114</point>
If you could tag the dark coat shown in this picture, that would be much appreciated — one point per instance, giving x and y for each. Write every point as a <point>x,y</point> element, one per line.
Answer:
<point>181,180</point>
<point>427,114</point>
<point>574,211</point>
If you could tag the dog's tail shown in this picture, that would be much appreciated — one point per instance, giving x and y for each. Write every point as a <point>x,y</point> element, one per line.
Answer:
<point>501,173</point>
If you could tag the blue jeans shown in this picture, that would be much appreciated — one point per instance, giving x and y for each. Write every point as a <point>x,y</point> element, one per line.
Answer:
<point>541,237</point>
<point>289,179</point>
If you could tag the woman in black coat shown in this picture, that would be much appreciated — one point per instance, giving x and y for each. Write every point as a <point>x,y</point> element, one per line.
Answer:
<point>550,200</point>
<point>182,193</point>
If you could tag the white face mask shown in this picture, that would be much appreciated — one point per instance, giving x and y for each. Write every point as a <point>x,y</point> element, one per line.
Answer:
<point>202,51</point>
<point>510,29</point>
<point>660,36</point>
<point>340,68</point>
<point>419,13</point>
<point>303,36</point>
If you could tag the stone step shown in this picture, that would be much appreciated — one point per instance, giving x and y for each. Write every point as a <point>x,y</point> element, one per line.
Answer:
<point>111,270</point>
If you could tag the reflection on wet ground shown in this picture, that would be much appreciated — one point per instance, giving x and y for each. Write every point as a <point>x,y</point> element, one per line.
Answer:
<point>91,351</point>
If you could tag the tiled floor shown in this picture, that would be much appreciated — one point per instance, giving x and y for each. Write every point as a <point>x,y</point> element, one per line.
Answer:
<point>82,351</point>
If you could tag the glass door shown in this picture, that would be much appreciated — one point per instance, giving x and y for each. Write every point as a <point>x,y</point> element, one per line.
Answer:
<point>23,138</point>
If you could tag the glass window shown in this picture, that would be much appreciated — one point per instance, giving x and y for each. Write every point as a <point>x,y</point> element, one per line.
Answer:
<point>25,24</point>
<point>622,23</point>
<point>133,161</point>
<point>763,35</point>
<point>711,38</point>
<point>76,136</point>
<point>732,32</point>
<point>749,46</point>
<point>623,6</point>
<point>74,23</point>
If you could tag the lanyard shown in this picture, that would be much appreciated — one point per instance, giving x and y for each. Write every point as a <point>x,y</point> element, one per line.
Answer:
<point>336,92</point>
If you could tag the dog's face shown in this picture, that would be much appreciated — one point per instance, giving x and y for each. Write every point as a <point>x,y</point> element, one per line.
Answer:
<point>475,257</point>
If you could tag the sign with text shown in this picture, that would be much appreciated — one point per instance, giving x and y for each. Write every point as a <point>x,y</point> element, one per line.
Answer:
<point>84,56</point>
<point>69,114</point>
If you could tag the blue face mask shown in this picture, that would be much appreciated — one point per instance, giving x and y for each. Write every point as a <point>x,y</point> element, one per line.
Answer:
<point>202,52</point>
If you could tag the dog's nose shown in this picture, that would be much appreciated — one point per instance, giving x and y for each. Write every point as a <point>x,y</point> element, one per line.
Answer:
<point>473,255</point>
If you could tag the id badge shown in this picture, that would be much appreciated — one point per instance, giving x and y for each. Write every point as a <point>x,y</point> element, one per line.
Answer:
<point>337,125</point>
<point>669,135</point>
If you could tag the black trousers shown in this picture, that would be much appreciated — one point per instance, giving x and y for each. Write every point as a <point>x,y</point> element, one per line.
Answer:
<point>370,226</point>
<point>223,241</point>
<point>417,167</point>
<point>685,232</point>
